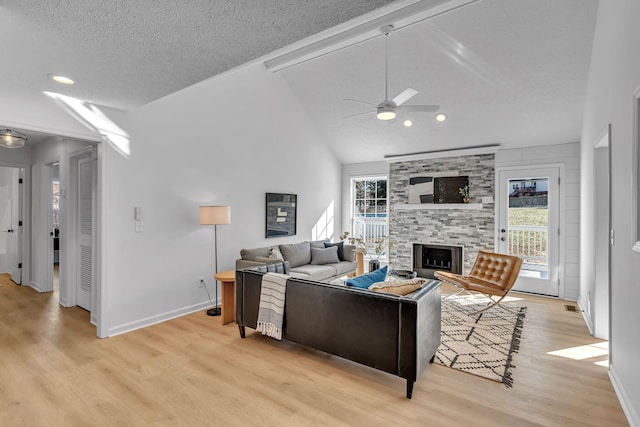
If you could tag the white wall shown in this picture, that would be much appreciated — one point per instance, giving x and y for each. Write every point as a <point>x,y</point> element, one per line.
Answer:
<point>567,155</point>
<point>228,140</point>
<point>614,75</point>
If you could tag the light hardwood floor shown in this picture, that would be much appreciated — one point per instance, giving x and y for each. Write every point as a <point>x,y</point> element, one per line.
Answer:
<point>192,371</point>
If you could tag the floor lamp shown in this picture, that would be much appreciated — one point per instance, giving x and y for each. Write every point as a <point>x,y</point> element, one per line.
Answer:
<point>215,215</point>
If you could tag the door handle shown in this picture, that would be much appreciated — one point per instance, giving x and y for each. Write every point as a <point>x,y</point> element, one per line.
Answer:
<point>502,230</point>
<point>503,239</point>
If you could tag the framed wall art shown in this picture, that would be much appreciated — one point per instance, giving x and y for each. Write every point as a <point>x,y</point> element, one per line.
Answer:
<point>281,212</point>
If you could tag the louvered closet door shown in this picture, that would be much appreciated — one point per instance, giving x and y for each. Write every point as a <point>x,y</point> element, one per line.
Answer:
<point>85,232</point>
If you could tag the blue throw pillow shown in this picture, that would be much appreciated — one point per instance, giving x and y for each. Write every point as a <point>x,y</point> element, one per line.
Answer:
<point>368,279</point>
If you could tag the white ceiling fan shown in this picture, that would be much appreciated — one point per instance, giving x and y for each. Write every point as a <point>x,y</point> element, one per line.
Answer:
<point>387,109</point>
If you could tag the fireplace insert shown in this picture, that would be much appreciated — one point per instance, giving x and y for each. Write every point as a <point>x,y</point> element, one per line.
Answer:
<point>428,258</point>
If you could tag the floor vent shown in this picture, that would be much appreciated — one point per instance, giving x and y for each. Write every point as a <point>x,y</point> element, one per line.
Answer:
<point>571,308</point>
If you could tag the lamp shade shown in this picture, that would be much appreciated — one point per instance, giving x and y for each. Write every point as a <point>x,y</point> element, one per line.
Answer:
<point>215,215</point>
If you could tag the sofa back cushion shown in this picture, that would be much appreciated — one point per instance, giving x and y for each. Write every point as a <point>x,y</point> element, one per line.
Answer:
<point>318,243</point>
<point>297,254</point>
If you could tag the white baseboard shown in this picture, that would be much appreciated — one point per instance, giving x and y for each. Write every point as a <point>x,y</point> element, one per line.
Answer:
<point>152,320</point>
<point>586,317</point>
<point>627,406</point>
<point>35,285</point>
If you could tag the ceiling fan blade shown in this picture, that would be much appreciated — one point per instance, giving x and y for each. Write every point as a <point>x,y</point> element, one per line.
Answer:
<point>361,102</point>
<point>359,114</point>
<point>404,96</point>
<point>422,108</point>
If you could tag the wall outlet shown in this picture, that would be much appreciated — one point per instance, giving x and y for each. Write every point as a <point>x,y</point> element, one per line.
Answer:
<point>201,282</point>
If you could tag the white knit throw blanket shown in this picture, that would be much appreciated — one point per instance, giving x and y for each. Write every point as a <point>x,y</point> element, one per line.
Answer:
<point>271,308</point>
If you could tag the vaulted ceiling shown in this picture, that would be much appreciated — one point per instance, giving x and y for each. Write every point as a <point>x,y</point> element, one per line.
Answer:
<point>504,71</point>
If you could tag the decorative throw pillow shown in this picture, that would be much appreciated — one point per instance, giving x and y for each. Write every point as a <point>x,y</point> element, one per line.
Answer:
<point>366,280</point>
<point>340,246</point>
<point>324,256</point>
<point>276,254</point>
<point>297,254</point>
<point>398,286</point>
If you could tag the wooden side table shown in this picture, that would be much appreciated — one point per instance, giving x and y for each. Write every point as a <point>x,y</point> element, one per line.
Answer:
<point>227,281</point>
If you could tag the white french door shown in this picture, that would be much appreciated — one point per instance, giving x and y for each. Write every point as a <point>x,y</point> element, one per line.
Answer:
<point>528,226</point>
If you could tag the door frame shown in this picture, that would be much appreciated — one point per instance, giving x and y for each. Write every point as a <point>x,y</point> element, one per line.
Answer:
<point>596,326</point>
<point>69,246</point>
<point>561,216</point>
<point>25,202</point>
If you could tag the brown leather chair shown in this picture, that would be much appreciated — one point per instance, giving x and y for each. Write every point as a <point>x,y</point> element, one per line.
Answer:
<point>492,274</point>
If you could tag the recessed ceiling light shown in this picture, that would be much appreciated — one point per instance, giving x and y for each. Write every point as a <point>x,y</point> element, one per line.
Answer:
<point>408,123</point>
<point>62,79</point>
<point>441,117</point>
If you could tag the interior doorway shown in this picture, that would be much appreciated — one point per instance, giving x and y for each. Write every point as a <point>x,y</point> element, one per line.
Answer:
<point>55,224</point>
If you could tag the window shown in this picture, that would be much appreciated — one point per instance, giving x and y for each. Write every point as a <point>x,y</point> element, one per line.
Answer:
<point>369,208</point>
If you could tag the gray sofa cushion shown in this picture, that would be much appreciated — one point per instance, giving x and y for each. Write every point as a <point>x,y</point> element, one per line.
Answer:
<point>344,267</point>
<point>252,254</point>
<point>319,243</point>
<point>324,256</point>
<point>297,254</point>
<point>314,272</point>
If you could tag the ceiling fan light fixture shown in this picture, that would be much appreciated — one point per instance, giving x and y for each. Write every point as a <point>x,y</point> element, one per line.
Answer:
<point>61,79</point>
<point>11,139</point>
<point>386,113</point>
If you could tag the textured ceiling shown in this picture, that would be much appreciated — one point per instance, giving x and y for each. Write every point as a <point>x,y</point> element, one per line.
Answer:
<point>125,53</point>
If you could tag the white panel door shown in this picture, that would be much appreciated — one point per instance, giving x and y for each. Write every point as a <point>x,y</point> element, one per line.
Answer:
<point>10,229</point>
<point>528,226</point>
<point>85,275</point>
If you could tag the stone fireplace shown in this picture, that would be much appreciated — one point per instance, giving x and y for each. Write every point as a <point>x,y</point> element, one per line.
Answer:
<point>452,225</point>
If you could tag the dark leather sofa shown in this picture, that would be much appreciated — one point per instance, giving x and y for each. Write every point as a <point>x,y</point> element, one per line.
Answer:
<point>395,334</point>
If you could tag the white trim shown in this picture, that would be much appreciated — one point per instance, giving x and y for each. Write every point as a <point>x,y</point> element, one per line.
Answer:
<point>635,182</point>
<point>102,239</point>
<point>627,405</point>
<point>585,317</point>
<point>158,318</point>
<point>90,137</point>
<point>437,154</point>
<point>428,206</point>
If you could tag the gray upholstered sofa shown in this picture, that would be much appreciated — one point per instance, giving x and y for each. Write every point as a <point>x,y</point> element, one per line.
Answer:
<point>318,260</point>
<point>396,334</point>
